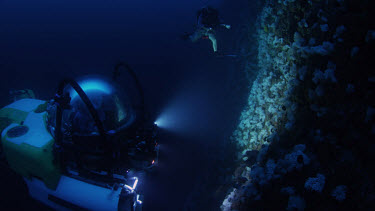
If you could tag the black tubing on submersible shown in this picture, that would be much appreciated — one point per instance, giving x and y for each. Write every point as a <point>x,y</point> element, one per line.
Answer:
<point>137,83</point>
<point>85,99</point>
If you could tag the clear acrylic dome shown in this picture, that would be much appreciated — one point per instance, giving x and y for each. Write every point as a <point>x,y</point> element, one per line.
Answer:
<point>112,105</point>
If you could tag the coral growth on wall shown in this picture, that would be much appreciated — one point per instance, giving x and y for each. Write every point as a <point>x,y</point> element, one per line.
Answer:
<point>305,137</point>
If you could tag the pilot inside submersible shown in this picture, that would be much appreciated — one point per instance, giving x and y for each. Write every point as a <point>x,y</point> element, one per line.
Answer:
<point>81,150</point>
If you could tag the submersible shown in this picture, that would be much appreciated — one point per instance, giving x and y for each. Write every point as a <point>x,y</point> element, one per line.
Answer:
<point>83,149</point>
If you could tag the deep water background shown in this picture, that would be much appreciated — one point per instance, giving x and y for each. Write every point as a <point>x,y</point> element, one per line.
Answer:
<point>42,42</point>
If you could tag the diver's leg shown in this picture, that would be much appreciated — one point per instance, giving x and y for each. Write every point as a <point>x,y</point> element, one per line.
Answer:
<point>212,37</point>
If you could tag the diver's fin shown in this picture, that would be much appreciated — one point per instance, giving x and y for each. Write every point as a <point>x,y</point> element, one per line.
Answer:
<point>220,55</point>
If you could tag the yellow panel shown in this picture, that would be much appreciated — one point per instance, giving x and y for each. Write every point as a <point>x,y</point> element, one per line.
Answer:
<point>30,153</point>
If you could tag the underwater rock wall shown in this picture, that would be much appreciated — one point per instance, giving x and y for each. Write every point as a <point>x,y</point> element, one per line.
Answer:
<point>270,93</point>
<point>305,138</point>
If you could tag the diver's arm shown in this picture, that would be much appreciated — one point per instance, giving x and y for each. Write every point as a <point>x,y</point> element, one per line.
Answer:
<point>227,26</point>
<point>195,36</point>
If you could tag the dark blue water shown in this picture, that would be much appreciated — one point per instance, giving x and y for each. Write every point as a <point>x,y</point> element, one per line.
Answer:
<point>42,42</point>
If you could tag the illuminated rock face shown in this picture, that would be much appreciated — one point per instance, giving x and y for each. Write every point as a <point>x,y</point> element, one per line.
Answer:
<point>308,111</point>
<point>270,105</point>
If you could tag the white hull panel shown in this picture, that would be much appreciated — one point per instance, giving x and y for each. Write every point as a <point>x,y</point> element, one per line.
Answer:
<point>74,194</point>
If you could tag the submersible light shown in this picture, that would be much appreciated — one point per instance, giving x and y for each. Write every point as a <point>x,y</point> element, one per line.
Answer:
<point>139,201</point>
<point>134,185</point>
<point>162,122</point>
<point>178,115</point>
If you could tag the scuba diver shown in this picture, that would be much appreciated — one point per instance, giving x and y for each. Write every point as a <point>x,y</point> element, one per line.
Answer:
<point>208,21</point>
<point>85,149</point>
